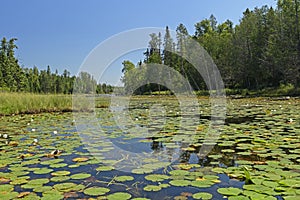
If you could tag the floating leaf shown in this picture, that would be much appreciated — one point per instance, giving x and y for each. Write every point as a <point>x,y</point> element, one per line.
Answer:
<point>154,188</point>
<point>118,196</point>
<point>42,171</point>
<point>60,173</point>
<point>96,191</point>
<point>179,172</point>
<point>80,159</point>
<point>59,178</point>
<point>202,195</point>
<point>52,195</point>
<point>105,168</point>
<point>230,191</point>
<point>124,178</point>
<point>156,177</point>
<point>181,183</point>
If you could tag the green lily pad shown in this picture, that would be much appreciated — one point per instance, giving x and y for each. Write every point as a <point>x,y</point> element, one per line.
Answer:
<point>67,187</point>
<point>8,195</point>
<point>154,188</point>
<point>156,177</point>
<point>58,165</point>
<point>124,178</point>
<point>59,178</point>
<point>80,176</point>
<point>202,183</point>
<point>202,195</point>
<point>230,191</point>
<point>60,173</point>
<point>6,187</point>
<point>181,183</point>
<point>142,171</point>
<point>179,172</point>
<point>39,181</point>
<point>238,198</point>
<point>52,195</point>
<point>42,171</point>
<point>42,188</point>
<point>105,168</point>
<point>52,161</point>
<point>96,191</point>
<point>118,196</point>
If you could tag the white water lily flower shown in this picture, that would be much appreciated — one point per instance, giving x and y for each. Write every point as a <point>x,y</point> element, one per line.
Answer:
<point>33,130</point>
<point>5,136</point>
<point>35,141</point>
<point>54,132</point>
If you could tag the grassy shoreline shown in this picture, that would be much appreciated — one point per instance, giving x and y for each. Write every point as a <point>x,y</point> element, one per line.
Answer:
<point>27,103</point>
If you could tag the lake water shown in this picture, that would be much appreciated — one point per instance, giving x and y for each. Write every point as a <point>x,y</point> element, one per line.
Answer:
<point>155,148</point>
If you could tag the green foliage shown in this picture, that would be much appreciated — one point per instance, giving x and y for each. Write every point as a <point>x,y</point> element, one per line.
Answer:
<point>261,53</point>
<point>13,78</point>
<point>16,103</point>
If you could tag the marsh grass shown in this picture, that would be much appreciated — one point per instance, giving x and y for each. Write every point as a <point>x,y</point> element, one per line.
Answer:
<point>18,103</point>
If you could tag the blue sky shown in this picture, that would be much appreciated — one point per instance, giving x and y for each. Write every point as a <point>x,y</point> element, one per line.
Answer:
<point>61,33</point>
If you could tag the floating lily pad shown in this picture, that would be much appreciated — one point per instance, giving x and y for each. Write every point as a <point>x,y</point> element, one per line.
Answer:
<point>181,183</point>
<point>118,196</point>
<point>96,191</point>
<point>58,165</point>
<point>52,195</point>
<point>105,168</point>
<point>230,191</point>
<point>179,172</point>
<point>156,177</point>
<point>80,176</point>
<point>80,159</point>
<point>59,178</point>
<point>202,183</point>
<point>124,178</point>
<point>42,171</point>
<point>60,173</point>
<point>202,195</point>
<point>142,171</point>
<point>154,188</point>
<point>67,187</point>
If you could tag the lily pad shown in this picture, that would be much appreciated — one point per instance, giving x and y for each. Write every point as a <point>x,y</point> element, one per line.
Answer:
<point>60,173</point>
<point>80,159</point>
<point>59,178</point>
<point>154,188</point>
<point>231,191</point>
<point>156,177</point>
<point>202,195</point>
<point>124,178</point>
<point>80,176</point>
<point>105,168</point>
<point>96,191</point>
<point>42,171</point>
<point>181,183</point>
<point>118,196</point>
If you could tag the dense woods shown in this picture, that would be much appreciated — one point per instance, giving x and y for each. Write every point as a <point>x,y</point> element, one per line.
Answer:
<point>14,78</point>
<point>260,52</point>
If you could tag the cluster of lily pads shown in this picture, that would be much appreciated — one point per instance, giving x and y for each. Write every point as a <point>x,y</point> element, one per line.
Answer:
<point>257,155</point>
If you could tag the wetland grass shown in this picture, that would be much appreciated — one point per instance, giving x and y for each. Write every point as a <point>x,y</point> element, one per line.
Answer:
<point>18,103</point>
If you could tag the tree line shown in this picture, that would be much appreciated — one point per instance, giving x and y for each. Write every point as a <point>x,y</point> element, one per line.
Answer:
<point>14,78</point>
<point>262,51</point>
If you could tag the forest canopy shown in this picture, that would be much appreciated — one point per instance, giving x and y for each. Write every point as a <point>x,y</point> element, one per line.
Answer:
<point>262,51</point>
<point>14,78</point>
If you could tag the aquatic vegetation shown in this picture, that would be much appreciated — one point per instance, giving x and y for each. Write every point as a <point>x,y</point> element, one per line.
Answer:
<point>256,157</point>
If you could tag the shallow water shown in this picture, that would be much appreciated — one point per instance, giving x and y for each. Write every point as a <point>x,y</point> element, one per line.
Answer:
<point>260,134</point>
